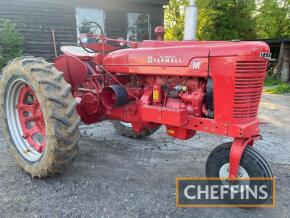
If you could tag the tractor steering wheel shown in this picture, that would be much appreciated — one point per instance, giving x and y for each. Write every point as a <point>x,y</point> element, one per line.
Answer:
<point>95,25</point>
<point>94,30</point>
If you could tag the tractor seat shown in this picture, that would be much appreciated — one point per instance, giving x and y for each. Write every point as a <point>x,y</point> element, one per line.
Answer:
<point>78,52</point>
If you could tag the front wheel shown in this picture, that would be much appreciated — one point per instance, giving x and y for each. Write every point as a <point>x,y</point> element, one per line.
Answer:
<point>39,116</point>
<point>126,129</point>
<point>252,165</point>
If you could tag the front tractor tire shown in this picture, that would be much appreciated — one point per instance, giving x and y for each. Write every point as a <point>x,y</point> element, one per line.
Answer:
<point>39,118</point>
<point>252,165</point>
<point>126,129</point>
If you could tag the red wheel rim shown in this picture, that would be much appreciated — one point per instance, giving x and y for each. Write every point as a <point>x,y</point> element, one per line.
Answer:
<point>31,119</point>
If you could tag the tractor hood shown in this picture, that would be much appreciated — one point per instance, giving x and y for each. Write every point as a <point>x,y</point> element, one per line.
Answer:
<point>165,54</point>
<point>162,53</point>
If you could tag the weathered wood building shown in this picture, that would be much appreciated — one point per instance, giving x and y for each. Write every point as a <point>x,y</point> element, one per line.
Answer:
<point>280,49</point>
<point>36,19</point>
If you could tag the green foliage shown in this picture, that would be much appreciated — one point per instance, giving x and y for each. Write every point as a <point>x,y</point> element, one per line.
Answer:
<point>174,19</point>
<point>227,19</point>
<point>280,89</point>
<point>218,20</point>
<point>273,19</point>
<point>10,42</point>
<point>272,81</point>
<point>231,19</point>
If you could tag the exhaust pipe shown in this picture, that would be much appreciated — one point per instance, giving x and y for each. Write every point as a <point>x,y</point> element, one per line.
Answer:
<point>190,25</point>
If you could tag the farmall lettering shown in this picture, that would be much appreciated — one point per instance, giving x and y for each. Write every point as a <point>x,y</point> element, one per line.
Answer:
<point>164,60</point>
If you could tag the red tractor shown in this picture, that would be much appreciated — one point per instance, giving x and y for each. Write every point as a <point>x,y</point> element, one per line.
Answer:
<point>187,86</point>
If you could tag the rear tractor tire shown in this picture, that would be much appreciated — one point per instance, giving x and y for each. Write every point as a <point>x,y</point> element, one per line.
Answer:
<point>39,117</point>
<point>125,129</point>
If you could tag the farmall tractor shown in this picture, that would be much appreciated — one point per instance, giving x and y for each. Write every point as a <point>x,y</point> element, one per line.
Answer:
<point>186,86</point>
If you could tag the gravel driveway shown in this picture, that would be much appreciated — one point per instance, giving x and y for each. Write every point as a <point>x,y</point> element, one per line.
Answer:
<point>118,177</point>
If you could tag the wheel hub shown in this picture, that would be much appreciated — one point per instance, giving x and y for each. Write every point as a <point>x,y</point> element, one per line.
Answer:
<point>242,174</point>
<point>25,120</point>
<point>39,121</point>
<point>31,118</point>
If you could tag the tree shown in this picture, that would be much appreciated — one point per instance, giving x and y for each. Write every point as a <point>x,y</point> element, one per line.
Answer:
<point>227,19</point>
<point>218,20</point>
<point>273,19</point>
<point>174,19</point>
<point>10,42</point>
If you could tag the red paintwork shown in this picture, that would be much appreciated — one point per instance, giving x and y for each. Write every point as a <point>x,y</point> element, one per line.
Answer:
<point>159,33</point>
<point>166,83</point>
<point>31,114</point>
<point>69,65</point>
<point>194,100</point>
<point>237,149</point>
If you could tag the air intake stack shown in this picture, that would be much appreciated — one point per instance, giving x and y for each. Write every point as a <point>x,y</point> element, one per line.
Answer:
<point>190,25</point>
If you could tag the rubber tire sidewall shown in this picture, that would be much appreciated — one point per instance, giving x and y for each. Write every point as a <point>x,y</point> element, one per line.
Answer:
<point>46,158</point>
<point>251,161</point>
<point>46,165</point>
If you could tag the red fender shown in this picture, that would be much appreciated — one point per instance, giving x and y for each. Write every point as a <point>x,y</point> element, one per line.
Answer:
<point>74,70</point>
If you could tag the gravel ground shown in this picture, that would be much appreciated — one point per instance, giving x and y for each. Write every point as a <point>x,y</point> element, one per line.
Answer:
<point>118,177</point>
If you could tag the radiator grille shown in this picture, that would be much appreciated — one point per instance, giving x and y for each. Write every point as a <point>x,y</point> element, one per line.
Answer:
<point>249,81</point>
